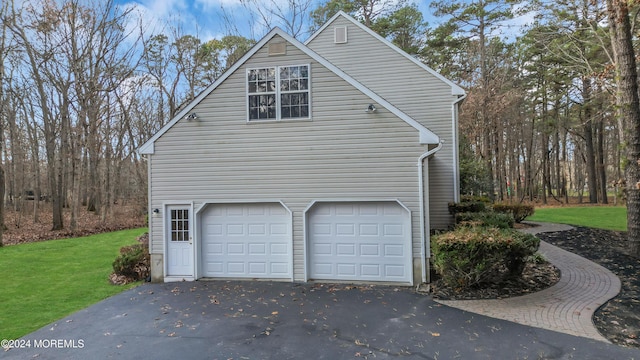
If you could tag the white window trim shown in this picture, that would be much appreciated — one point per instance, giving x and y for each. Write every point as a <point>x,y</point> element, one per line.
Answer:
<point>277,93</point>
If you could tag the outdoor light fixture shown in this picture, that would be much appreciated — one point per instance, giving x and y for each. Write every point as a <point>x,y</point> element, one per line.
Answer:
<point>370,109</point>
<point>156,211</point>
<point>192,116</point>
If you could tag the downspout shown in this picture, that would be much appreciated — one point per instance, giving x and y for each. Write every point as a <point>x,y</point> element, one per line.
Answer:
<point>425,250</point>
<point>456,144</point>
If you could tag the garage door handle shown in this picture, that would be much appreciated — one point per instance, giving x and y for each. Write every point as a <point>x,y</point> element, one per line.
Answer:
<point>190,240</point>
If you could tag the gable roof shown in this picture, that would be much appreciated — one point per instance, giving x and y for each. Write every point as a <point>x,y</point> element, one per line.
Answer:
<point>426,135</point>
<point>455,89</point>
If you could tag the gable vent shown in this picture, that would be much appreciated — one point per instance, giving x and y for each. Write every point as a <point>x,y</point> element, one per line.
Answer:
<point>279,48</point>
<point>340,34</point>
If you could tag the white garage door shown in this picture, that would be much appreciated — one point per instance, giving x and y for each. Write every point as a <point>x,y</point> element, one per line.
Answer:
<point>246,241</point>
<point>364,241</point>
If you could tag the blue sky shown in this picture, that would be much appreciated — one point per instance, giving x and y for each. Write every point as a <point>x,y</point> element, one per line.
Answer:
<point>208,19</point>
<point>214,18</point>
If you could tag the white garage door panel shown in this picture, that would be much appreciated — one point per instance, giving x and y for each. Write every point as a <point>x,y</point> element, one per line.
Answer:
<point>246,241</point>
<point>368,241</point>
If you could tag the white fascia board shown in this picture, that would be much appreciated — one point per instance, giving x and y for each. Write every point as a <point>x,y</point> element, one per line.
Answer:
<point>455,89</point>
<point>148,148</point>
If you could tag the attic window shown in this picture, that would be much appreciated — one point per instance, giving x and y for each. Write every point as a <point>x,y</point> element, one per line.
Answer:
<point>340,34</point>
<point>278,93</point>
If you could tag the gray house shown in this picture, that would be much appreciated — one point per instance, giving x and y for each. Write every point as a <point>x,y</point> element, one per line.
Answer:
<point>324,161</point>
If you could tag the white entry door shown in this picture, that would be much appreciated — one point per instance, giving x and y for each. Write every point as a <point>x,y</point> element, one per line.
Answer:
<point>179,256</point>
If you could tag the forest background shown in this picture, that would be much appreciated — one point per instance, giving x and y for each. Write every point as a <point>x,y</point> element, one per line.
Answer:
<point>84,83</point>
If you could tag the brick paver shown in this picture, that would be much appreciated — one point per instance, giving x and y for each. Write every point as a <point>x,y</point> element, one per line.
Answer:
<point>567,307</point>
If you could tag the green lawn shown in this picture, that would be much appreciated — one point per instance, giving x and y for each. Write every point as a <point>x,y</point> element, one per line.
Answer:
<point>45,281</point>
<point>601,217</point>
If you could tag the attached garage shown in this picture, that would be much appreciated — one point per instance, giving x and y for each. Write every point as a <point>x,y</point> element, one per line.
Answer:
<point>359,241</point>
<point>249,240</point>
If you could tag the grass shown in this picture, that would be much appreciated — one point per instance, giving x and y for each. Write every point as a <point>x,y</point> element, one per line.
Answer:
<point>601,217</point>
<point>46,281</point>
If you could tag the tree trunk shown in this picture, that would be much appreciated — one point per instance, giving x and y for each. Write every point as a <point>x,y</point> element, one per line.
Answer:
<point>628,111</point>
<point>587,129</point>
<point>601,168</point>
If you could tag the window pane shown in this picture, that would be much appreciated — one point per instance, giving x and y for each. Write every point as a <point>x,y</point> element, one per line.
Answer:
<point>271,74</point>
<point>262,86</point>
<point>252,75</point>
<point>284,85</point>
<point>253,114</point>
<point>285,99</point>
<point>304,71</point>
<point>286,112</point>
<point>295,72</point>
<point>295,99</point>
<point>295,112</point>
<point>304,111</point>
<point>271,86</point>
<point>304,84</point>
<point>253,101</point>
<point>252,87</point>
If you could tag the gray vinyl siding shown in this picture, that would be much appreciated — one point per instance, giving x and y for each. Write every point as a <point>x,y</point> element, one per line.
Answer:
<point>341,153</point>
<point>411,89</point>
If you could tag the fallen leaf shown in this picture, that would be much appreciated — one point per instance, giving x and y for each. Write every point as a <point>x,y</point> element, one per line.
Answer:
<point>274,313</point>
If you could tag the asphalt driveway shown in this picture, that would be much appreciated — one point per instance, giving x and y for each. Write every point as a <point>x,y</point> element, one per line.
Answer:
<point>265,320</point>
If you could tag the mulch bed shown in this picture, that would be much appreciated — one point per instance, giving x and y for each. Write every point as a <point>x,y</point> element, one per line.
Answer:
<point>619,319</point>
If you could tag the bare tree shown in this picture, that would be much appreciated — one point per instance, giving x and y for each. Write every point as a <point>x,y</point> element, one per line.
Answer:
<point>293,16</point>
<point>3,108</point>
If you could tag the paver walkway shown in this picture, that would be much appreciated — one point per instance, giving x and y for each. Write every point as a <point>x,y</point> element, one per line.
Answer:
<point>567,307</point>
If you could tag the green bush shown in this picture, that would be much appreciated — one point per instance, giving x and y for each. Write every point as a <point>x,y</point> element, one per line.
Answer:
<point>518,211</point>
<point>467,206</point>
<point>133,262</point>
<point>471,256</point>
<point>485,219</point>
<point>475,198</point>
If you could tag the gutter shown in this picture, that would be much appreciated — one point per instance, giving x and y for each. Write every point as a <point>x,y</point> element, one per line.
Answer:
<point>425,248</point>
<point>456,144</point>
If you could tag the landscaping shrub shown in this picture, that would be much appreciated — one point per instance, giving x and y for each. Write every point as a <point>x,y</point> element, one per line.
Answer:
<point>471,256</point>
<point>485,219</point>
<point>475,198</point>
<point>467,206</point>
<point>133,263</point>
<point>518,211</point>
